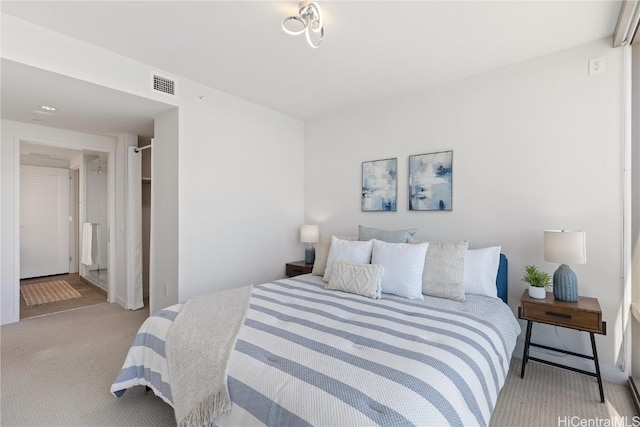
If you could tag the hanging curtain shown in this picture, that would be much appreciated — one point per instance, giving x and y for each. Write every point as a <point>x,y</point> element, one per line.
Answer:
<point>134,235</point>
<point>152,285</point>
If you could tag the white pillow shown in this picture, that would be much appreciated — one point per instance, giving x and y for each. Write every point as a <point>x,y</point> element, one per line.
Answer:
<point>360,279</point>
<point>322,253</point>
<point>481,270</point>
<point>403,265</point>
<point>354,252</point>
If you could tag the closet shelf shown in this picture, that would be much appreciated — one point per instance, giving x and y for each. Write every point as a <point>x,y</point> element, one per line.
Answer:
<point>146,180</point>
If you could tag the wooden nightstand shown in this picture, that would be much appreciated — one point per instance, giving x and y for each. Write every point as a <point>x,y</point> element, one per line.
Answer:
<point>583,315</point>
<point>297,268</point>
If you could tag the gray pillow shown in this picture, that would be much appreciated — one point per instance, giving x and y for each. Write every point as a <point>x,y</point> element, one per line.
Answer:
<point>389,236</point>
<point>444,269</point>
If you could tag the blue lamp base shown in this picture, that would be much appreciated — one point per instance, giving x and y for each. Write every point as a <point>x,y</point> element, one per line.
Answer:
<point>565,284</point>
<point>309,255</point>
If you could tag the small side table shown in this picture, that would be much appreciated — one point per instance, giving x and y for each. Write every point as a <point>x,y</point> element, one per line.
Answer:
<point>583,315</point>
<point>297,268</point>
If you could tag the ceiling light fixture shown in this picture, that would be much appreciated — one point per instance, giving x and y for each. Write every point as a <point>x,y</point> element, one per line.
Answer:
<point>48,108</point>
<point>310,17</point>
<point>42,114</point>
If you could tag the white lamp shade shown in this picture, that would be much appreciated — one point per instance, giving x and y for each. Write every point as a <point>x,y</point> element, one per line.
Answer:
<point>565,246</point>
<point>310,233</point>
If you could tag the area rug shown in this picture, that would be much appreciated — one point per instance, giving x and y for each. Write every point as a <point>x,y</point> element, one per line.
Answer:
<point>46,292</point>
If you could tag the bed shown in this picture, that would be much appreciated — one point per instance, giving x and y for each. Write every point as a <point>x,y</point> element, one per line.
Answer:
<point>309,356</point>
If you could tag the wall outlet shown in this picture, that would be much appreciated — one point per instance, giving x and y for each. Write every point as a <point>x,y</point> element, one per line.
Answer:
<point>596,65</point>
<point>166,290</point>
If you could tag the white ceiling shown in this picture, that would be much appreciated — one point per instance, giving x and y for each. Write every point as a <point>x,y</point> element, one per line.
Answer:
<point>372,50</point>
<point>81,106</point>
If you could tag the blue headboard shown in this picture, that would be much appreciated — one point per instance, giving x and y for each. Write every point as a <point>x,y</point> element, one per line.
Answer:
<point>502,279</point>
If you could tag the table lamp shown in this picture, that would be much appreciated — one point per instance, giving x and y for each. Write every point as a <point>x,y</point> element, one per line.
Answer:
<point>310,234</point>
<point>565,247</point>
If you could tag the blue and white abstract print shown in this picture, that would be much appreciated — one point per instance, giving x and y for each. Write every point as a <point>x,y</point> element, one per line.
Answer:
<point>379,185</point>
<point>430,181</point>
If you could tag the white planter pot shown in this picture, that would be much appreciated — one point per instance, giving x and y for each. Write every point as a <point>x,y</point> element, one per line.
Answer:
<point>537,293</point>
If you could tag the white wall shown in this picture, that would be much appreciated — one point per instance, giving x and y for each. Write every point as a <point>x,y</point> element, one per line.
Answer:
<point>535,146</point>
<point>240,166</point>
<point>49,163</point>
<point>12,132</point>
<point>241,194</point>
<point>164,286</point>
<point>76,161</point>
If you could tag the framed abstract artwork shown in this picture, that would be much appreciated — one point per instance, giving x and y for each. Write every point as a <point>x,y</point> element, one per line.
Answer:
<point>379,185</point>
<point>430,181</point>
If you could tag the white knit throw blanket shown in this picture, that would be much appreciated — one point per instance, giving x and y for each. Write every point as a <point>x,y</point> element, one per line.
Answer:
<point>198,347</point>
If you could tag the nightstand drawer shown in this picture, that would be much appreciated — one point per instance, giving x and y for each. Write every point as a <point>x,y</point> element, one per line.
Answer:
<point>563,316</point>
<point>293,270</point>
<point>297,268</point>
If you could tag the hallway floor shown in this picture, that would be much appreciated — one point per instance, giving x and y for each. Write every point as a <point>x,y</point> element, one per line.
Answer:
<point>90,295</point>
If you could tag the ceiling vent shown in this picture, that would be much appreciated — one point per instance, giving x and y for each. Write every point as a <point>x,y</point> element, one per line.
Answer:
<point>164,85</point>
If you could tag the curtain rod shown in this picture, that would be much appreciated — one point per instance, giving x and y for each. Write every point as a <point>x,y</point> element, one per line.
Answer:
<point>137,150</point>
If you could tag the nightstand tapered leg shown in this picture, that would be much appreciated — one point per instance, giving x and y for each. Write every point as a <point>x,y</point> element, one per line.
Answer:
<point>525,353</point>
<point>595,360</point>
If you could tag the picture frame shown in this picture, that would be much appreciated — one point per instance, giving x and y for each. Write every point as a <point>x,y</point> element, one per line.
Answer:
<point>431,181</point>
<point>380,185</point>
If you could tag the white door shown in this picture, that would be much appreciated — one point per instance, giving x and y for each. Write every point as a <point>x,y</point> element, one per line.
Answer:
<point>44,221</point>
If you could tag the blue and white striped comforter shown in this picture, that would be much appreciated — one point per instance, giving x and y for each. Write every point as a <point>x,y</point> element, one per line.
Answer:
<point>309,356</point>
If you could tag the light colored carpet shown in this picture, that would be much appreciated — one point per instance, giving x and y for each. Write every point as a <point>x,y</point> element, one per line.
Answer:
<point>46,292</point>
<point>547,396</point>
<point>56,370</point>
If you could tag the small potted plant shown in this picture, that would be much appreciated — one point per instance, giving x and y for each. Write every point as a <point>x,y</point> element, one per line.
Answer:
<point>537,280</point>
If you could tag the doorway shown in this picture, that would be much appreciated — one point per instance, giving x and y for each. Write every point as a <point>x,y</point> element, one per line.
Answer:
<point>60,190</point>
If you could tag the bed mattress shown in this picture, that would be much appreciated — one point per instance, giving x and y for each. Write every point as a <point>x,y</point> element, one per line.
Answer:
<point>310,356</point>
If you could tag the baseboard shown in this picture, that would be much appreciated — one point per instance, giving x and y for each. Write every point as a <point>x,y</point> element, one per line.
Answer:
<point>634,393</point>
<point>121,302</point>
